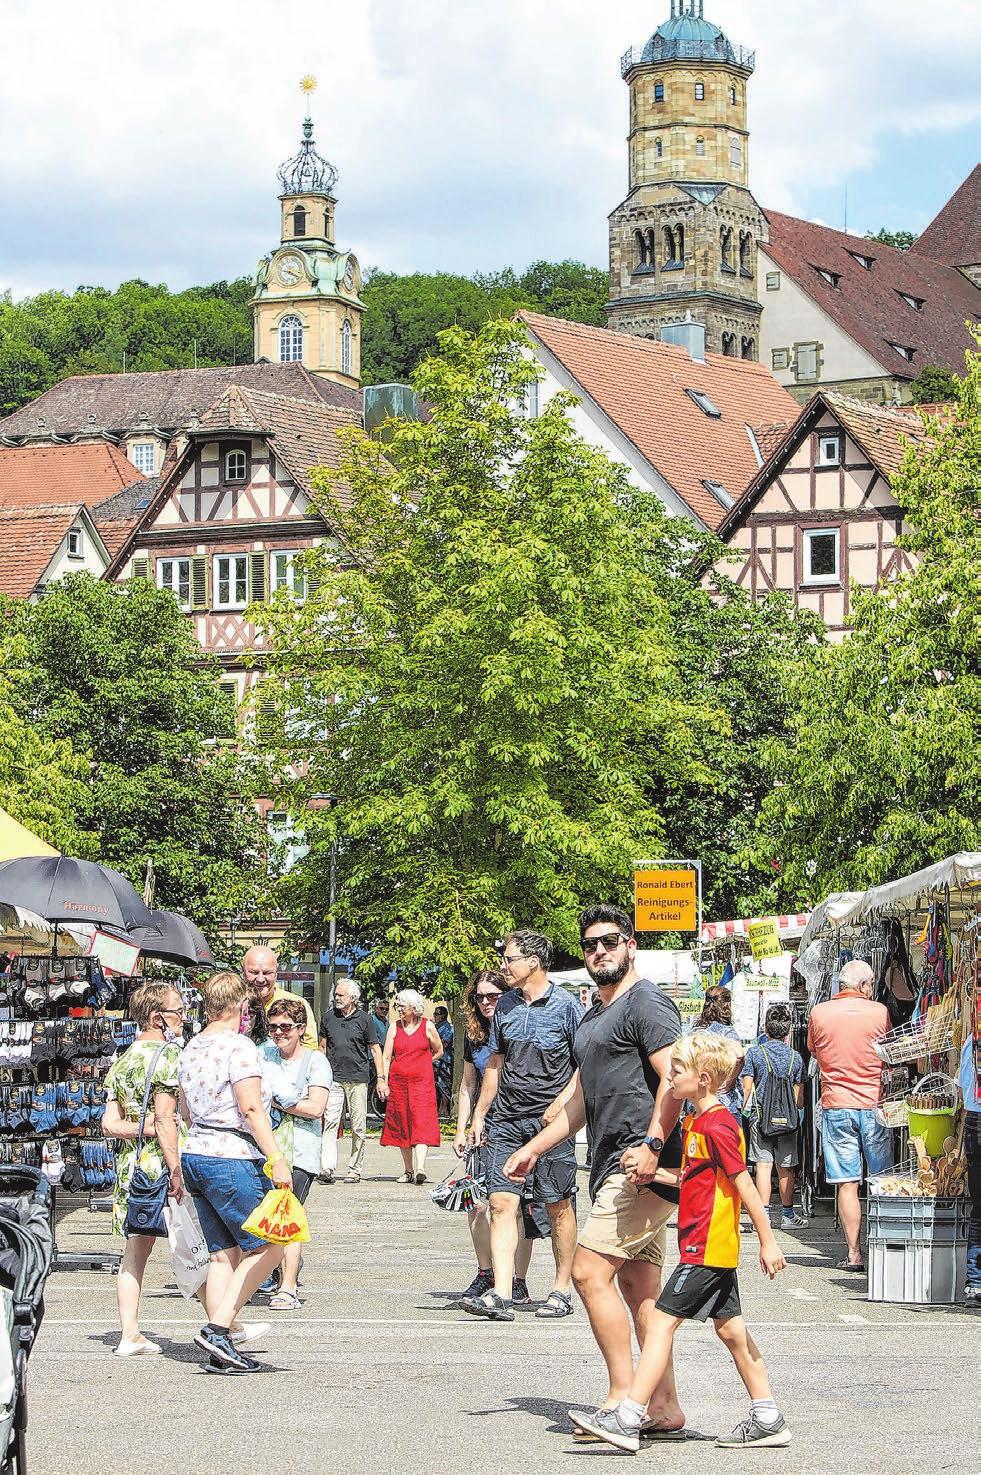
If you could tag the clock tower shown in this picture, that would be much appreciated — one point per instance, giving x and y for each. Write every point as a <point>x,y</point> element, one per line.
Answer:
<point>307,306</point>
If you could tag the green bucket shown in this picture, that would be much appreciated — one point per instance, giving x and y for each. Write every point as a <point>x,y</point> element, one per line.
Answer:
<point>934,1126</point>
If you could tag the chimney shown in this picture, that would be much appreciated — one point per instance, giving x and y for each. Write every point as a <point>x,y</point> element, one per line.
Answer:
<point>688,335</point>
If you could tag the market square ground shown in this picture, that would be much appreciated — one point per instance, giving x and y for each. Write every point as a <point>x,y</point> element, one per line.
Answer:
<point>378,1373</point>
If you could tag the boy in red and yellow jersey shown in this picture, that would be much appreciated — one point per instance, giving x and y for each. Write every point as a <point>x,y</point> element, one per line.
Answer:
<point>714,1182</point>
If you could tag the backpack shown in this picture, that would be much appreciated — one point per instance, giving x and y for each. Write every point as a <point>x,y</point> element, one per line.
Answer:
<point>776,1102</point>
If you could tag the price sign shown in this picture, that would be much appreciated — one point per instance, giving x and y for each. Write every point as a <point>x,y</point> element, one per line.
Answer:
<point>763,939</point>
<point>665,901</point>
<point>690,1008</point>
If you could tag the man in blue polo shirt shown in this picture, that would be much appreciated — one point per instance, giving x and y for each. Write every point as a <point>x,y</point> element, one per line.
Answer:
<point>531,1066</point>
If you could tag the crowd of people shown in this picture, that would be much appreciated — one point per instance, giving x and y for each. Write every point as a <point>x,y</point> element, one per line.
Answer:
<point>664,1115</point>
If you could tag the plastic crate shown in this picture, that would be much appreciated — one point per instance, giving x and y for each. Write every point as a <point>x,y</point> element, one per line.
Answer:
<point>936,1220</point>
<point>916,1272</point>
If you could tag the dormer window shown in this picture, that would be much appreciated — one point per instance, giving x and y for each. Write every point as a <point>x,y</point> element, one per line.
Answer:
<point>916,303</point>
<point>236,466</point>
<point>865,262</point>
<point>299,221</point>
<point>74,543</point>
<point>903,350</point>
<point>707,406</point>
<point>658,91</point>
<point>143,455</point>
<point>833,278</point>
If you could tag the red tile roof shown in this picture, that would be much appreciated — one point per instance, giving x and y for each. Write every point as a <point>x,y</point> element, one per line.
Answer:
<point>87,472</point>
<point>867,305</point>
<point>954,235</point>
<point>29,538</point>
<point>640,384</point>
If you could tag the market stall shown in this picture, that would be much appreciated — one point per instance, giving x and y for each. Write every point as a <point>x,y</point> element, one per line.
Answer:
<point>921,935</point>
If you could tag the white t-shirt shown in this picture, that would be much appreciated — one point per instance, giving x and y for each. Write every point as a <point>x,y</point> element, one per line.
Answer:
<point>306,1131</point>
<point>211,1066</point>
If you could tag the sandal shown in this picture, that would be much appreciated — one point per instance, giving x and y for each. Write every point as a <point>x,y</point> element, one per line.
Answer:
<point>856,1268</point>
<point>405,1178</point>
<point>557,1305</point>
<point>284,1301</point>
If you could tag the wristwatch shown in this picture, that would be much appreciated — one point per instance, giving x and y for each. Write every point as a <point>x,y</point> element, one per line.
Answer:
<point>654,1143</point>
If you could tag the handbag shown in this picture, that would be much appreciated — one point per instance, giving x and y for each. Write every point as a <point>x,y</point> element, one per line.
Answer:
<point>469,1191</point>
<point>146,1197</point>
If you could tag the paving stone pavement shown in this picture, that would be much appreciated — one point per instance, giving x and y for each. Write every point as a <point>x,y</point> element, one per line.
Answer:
<point>379,1372</point>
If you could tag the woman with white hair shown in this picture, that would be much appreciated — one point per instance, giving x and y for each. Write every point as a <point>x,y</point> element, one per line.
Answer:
<point>411,1047</point>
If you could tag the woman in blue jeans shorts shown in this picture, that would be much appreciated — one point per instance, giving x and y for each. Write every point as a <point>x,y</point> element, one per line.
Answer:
<point>227,1106</point>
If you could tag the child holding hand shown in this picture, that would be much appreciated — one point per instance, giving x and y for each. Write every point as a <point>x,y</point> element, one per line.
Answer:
<point>714,1181</point>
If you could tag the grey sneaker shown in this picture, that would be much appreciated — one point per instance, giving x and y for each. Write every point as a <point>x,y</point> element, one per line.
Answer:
<point>793,1221</point>
<point>751,1431</point>
<point>604,1423</point>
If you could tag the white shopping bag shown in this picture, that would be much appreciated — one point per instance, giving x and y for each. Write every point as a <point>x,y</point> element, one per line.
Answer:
<point>188,1252</point>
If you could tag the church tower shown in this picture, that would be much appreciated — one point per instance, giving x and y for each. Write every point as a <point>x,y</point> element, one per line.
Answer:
<point>683,242</point>
<point>307,306</point>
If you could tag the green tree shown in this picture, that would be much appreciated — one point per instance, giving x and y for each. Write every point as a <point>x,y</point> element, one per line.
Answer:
<point>406,314</point>
<point>115,671</point>
<point>934,386</point>
<point>488,673</point>
<point>900,239</point>
<point>884,772</point>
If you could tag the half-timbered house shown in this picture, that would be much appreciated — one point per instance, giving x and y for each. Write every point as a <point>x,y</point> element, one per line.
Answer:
<point>232,511</point>
<point>821,513</point>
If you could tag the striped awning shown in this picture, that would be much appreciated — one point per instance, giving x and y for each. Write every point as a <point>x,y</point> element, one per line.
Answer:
<point>789,926</point>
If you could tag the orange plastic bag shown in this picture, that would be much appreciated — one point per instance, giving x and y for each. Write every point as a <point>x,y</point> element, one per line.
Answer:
<point>280,1218</point>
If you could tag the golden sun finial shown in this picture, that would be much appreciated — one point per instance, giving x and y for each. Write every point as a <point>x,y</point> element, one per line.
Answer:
<point>308,84</point>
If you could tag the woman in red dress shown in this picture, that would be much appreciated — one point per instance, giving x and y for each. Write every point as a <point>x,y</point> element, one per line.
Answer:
<point>411,1122</point>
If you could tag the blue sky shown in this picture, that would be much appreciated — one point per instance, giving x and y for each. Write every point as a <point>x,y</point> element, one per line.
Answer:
<point>468,135</point>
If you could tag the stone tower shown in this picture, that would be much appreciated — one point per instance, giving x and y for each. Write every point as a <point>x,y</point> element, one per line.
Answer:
<point>307,305</point>
<point>684,239</point>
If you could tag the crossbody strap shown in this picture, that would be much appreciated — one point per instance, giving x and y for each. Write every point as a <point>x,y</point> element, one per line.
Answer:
<point>146,1097</point>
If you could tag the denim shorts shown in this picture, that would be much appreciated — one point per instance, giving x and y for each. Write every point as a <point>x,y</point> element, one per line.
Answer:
<point>225,1192</point>
<point>554,1178</point>
<point>850,1134</point>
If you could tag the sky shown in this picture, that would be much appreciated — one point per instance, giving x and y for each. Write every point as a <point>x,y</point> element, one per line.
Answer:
<point>142,139</point>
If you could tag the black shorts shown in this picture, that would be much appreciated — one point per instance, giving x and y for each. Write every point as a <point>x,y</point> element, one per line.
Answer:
<point>301,1183</point>
<point>696,1292</point>
<point>554,1178</point>
<point>534,1217</point>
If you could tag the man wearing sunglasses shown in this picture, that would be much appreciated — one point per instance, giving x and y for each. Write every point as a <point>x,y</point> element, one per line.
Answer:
<point>530,1065</point>
<point>623,1051</point>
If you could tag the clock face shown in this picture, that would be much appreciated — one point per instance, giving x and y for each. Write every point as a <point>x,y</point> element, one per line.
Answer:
<point>349,274</point>
<point>290,270</point>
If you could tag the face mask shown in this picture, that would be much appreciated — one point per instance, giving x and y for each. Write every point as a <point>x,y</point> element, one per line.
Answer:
<point>172,1036</point>
<point>245,1021</point>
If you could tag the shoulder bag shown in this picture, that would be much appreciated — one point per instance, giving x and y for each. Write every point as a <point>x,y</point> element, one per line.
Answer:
<point>146,1198</point>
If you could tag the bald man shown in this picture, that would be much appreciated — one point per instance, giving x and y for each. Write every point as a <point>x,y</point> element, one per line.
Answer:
<point>260,968</point>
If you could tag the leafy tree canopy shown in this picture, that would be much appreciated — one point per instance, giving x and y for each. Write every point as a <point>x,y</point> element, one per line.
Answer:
<point>934,386</point>
<point>114,672</point>
<point>884,772</point>
<point>901,239</point>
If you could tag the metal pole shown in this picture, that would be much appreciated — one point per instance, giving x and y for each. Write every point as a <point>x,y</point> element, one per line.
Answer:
<point>332,933</point>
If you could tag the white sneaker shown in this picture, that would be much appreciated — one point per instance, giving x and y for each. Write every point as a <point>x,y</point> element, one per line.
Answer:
<point>136,1349</point>
<point>251,1332</point>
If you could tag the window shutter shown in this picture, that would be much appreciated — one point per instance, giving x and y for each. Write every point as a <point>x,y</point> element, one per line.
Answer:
<point>257,577</point>
<point>141,568</point>
<point>265,717</point>
<point>199,582</point>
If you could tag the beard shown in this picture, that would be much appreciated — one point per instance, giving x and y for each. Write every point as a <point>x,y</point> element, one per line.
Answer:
<point>607,974</point>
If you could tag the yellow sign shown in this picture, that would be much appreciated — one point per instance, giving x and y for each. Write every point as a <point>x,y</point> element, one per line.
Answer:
<point>763,939</point>
<point>665,901</point>
<point>690,1008</point>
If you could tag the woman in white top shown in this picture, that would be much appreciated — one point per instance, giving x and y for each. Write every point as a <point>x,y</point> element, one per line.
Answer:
<point>227,1106</point>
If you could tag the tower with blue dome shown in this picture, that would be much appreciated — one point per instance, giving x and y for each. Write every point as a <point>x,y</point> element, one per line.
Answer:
<point>684,238</point>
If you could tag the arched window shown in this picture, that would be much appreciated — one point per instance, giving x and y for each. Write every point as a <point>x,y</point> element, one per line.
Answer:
<point>745,253</point>
<point>749,348</point>
<point>729,345</point>
<point>299,221</point>
<point>725,241</point>
<point>651,247</point>
<point>679,239</point>
<point>235,465</point>
<point>290,340</point>
<point>346,346</point>
<point>732,95</point>
<point>668,234</point>
<point>640,242</point>
<point>700,147</point>
<point>658,148</point>
<point>736,153</point>
<point>674,247</point>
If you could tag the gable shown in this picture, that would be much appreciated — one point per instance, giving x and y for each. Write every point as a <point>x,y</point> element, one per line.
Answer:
<point>202,492</point>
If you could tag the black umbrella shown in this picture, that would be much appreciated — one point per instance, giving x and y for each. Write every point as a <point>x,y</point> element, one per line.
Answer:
<point>63,890</point>
<point>173,938</point>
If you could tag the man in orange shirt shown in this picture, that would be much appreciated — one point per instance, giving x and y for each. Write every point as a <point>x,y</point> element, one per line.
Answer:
<point>840,1036</point>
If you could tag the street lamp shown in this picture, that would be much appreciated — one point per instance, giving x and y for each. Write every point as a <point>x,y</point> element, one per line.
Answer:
<point>327,801</point>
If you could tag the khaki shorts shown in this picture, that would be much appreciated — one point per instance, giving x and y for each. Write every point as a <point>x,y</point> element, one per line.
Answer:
<point>627,1223</point>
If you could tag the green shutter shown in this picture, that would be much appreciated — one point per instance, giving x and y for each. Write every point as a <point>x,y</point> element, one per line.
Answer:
<point>199,582</point>
<point>257,578</point>
<point>140,568</point>
<point>265,717</point>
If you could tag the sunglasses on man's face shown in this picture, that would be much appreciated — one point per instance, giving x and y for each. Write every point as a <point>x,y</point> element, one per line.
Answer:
<point>608,942</point>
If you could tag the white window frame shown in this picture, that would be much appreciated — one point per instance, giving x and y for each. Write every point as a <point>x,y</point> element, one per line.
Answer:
<point>699,91</point>
<point>227,462</point>
<point>167,566</point>
<point>75,543</point>
<point>147,463</point>
<point>283,573</point>
<point>225,572</point>
<point>290,339</point>
<point>829,448</point>
<point>347,346</point>
<point>700,147</point>
<point>807,537</point>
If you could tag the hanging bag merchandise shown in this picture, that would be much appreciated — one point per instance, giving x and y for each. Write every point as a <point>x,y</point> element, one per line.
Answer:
<point>189,1253</point>
<point>776,1101</point>
<point>146,1197</point>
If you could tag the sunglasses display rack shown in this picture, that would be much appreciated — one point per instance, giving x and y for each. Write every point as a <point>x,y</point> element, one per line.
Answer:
<point>56,1046</point>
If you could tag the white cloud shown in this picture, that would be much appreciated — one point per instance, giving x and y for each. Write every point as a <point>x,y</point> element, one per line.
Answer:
<point>467,135</point>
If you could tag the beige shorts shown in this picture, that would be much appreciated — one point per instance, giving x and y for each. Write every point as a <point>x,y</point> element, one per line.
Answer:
<point>627,1223</point>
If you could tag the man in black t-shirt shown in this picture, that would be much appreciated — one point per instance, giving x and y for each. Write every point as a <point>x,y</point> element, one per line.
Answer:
<point>623,1050</point>
<point>348,1037</point>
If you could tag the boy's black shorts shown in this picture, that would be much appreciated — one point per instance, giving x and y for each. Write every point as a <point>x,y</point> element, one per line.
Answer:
<point>696,1292</point>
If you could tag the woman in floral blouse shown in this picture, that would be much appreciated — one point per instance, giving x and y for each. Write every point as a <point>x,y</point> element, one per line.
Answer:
<point>157,1009</point>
